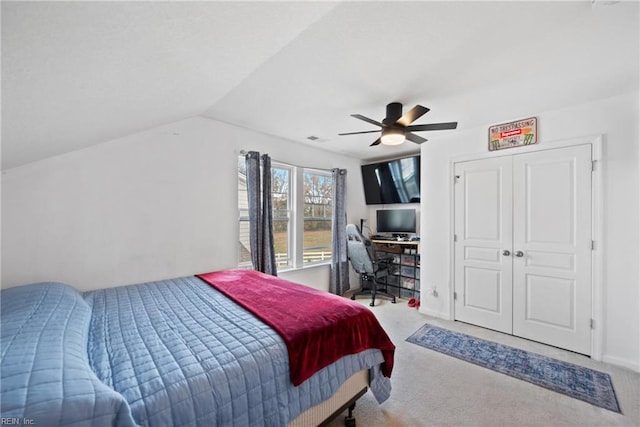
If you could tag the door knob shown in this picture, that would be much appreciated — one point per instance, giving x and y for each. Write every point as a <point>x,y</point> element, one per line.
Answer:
<point>519,254</point>
<point>506,252</point>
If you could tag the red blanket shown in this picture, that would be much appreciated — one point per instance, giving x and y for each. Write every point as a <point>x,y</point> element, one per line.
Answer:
<point>317,327</point>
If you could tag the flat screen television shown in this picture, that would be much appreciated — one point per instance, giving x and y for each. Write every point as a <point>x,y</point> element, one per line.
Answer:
<point>392,181</point>
<point>396,221</point>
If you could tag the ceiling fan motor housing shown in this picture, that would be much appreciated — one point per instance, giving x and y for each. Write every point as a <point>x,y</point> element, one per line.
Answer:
<point>394,112</point>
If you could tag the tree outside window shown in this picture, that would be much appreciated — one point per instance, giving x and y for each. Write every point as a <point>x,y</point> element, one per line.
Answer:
<point>317,216</point>
<point>281,199</point>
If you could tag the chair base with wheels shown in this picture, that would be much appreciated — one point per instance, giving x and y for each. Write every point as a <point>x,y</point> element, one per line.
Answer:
<point>369,269</point>
<point>374,289</point>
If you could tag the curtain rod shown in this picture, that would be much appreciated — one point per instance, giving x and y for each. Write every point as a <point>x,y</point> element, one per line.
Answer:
<point>244,152</point>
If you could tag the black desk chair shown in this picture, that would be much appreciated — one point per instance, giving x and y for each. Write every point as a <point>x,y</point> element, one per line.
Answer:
<point>365,264</point>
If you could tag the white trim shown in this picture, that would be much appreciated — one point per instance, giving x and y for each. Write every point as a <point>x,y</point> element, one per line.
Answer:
<point>597,304</point>
<point>291,211</point>
<point>597,308</point>
<point>297,217</point>
<point>434,313</point>
<point>625,363</point>
<point>587,139</point>
<point>450,242</point>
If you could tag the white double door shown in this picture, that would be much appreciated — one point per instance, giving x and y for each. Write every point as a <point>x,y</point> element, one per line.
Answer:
<point>523,242</point>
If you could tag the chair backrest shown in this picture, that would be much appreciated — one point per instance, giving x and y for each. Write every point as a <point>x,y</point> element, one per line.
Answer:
<point>358,250</point>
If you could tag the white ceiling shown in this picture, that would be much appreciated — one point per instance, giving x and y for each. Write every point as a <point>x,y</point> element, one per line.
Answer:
<point>75,74</point>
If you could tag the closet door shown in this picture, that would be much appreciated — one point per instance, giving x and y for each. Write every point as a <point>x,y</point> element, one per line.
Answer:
<point>552,247</point>
<point>483,262</point>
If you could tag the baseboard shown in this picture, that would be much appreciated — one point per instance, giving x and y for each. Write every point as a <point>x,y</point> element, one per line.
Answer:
<point>625,363</point>
<point>434,313</point>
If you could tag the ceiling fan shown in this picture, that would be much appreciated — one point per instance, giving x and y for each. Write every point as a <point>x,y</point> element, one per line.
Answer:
<point>396,127</point>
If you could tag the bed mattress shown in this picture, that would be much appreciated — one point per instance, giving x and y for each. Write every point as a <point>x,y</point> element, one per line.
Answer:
<point>167,353</point>
<point>153,344</point>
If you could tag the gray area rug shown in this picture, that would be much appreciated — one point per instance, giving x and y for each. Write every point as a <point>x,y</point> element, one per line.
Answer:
<point>572,380</point>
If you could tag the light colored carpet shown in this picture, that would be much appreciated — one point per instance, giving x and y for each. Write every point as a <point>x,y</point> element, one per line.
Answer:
<point>432,389</point>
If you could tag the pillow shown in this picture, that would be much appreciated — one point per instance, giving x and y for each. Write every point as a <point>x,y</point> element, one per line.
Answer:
<point>45,376</point>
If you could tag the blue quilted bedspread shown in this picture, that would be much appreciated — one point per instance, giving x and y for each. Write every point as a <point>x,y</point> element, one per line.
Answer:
<point>167,353</point>
<point>46,378</point>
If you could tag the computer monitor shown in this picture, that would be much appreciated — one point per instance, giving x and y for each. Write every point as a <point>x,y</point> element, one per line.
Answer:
<point>396,221</point>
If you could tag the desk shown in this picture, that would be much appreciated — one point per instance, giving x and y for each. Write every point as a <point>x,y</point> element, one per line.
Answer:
<point>403,278</point>
<point>396,242</point>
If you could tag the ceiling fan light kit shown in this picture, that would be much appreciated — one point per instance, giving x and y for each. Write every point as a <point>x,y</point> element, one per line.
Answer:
<point>391,136</point>
<point>396,127</point>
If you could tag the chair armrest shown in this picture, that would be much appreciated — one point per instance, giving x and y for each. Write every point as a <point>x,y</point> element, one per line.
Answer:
<point>383,262</point>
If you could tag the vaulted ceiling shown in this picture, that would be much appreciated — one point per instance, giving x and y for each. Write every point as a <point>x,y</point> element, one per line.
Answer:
<point>75,74</point>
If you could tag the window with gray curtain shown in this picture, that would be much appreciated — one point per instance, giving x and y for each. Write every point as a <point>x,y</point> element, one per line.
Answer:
<point>308,193</point>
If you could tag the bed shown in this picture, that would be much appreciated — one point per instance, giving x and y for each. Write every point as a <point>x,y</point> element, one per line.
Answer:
<point>187,351</point>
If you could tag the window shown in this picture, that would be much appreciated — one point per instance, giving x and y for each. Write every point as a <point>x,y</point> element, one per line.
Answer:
<point>281,199</point>
<point>244,248</point>
<point>299,240</point>
<point>316,240</point>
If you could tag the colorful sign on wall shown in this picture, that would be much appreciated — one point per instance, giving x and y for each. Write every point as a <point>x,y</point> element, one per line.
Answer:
<point>513,134</point>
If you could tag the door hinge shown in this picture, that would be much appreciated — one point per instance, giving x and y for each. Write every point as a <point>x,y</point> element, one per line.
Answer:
<point>593,245</point>
<point>456,178</point>
<point>593,165</point>
<point>455,237</point>
<point>455,295</point>
<point>592,324</point>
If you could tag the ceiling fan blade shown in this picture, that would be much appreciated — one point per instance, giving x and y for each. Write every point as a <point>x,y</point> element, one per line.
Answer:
<point>356,133</point>
<point>432,126</point>
<point>411,115</point>
<point>367,119</point>
<point>376,142</point>
<point>415,138</point>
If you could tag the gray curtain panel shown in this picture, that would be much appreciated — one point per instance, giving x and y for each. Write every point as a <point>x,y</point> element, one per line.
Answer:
<point>260,214</point>
<point>268,250</point>
<point>252,161</point>
<point>339,276</point>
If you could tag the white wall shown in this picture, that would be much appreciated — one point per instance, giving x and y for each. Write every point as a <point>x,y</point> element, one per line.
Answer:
<point>315,277</point>
<point>617,120</point>
<point>157,204</point>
